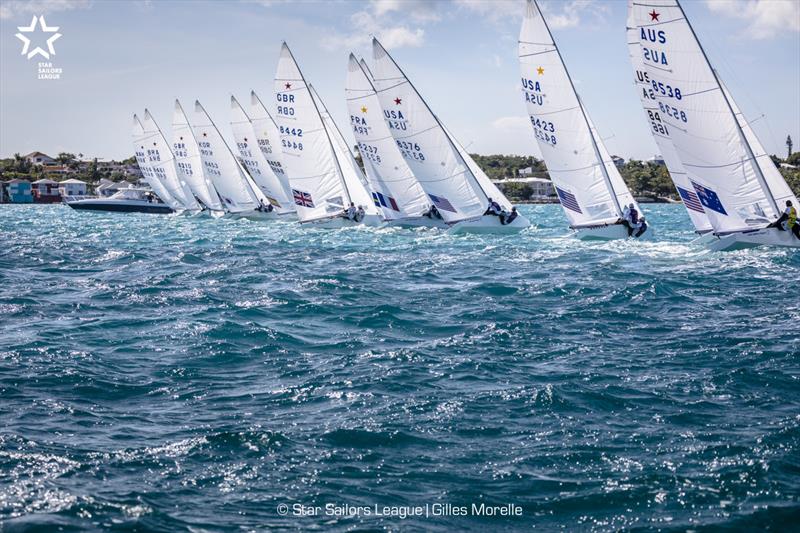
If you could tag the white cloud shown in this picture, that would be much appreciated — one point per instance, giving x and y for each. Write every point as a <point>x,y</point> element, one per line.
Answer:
<point>369,22</point>
<point>560,14</point>
<point>18,8</point>
<point>767,18</point>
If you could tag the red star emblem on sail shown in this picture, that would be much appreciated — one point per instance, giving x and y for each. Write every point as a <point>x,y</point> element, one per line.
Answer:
<point>288,85</point>
<point>654,15</point>
<point>398,101</point>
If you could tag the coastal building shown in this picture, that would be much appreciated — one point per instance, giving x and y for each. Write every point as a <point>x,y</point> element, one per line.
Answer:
<point>540,188</point>
<point>18,191</point>
<point>45,191</point>
<point>72,187</point>
<point>39,158</point>
<point>527,171</point>
<point>619,162</point>
<point>656,160</point>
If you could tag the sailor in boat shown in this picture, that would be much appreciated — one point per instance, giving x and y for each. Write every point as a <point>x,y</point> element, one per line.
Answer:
<point>630,219</point>
<point>350,212</point>
<point>508,217</point>
<point>360,214</point>
<point>788,220</point>
<point>640,227</point>
<point>494,209</point>
<point>265,208</point>
<point>432,213</point>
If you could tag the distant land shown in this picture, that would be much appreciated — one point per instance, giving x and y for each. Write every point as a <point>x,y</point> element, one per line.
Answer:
<point>644,178</point>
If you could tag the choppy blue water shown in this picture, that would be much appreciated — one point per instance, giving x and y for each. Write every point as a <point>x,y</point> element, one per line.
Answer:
<point>175,373</point>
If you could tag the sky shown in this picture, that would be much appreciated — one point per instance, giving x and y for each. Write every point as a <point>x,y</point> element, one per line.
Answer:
<point>119,56</point>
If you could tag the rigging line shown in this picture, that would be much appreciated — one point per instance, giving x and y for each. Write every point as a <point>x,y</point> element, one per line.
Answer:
<point>536,53</point>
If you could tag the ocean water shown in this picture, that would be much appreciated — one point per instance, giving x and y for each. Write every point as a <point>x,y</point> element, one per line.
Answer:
<point>174,373</point>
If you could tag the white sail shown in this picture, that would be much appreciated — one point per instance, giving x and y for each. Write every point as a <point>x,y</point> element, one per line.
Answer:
<point>255,162</point>
<point>188,161</point>
<point>394,187</point>
<point>707,137</point>
<point>317,185</point>
<point>355,181</point>
<point>269,142</point>
<point>219,163</point>
<point>426,147</point>
<point>163,164</point>
<point>778,187</point>
<point>661,131</point>
<point>145,166</point>
<point>588,184</point>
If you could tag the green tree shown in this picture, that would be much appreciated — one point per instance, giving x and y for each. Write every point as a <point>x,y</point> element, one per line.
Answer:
<point>788,146</point>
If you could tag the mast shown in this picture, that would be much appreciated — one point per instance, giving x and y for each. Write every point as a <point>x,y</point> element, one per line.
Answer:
<point>327,135</point>
<point>759,174</point>
<point>583,114</point>
<point>438,122</point>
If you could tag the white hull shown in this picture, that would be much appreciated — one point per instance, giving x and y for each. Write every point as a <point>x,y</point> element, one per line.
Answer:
<point>341,222</point>
<point>608,232</point>
<point>704,239</point>
<point>752,238</point>
<point>417,222</point>
<point>263,215</point>
<point>489,224</point>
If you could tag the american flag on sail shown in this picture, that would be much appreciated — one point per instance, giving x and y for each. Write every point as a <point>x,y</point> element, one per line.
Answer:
<point>568,200</point>
<point>690,200</point>
<point>302,198</point>
<point>709,199</point>
<point>382,200</point>
<point>442,203</point>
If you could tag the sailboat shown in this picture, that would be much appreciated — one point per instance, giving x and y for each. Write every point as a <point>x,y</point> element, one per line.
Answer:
<point>189,162</point>
<point>256,163</point>
<point>325,180</point>
<point>445,172</point>
<point>589,186</point>
<point>661,134</point>
<point>269,141</point>
<point>162,161</point>
<point>394,188</point>
<point>140,139</point>
<point>732,176</point>
<point>233,184</point>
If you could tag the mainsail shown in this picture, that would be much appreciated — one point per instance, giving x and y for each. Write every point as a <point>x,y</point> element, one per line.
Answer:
<point>661,131</point>
<point>229,178</point>
<point>433,158</point>
<point>588,184</point>
<point>318,187</point>
<point>162,162</point>
<point>728,175</point>
<point>188,161</point>
<point>269,141</point>
<point>145,166</point>
<point>255,162</point>
<point>394,187</point>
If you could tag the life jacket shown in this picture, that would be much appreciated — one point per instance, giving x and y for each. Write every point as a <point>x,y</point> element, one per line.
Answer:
<point>792,213</point>
<point>634,216</point>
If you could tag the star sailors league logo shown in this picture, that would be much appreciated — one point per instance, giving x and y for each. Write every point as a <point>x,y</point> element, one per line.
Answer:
<point>31,39</point>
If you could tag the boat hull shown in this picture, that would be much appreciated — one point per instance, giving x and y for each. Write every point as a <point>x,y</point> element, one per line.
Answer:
<point>417,222</point>
<point>336,222</point>
<point>489,224</point>
<point>121,206</point>
<point>608,232</point>
<point>264,215</point>
<point>742,240</point>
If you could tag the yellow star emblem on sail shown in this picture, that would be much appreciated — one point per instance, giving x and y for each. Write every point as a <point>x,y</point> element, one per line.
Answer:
<point>540,71</point>
<point>364,109</point>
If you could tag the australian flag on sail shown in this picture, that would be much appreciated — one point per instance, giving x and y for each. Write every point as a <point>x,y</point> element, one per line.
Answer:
<point>690,200</point>
<point>709,198</point>
<point>442,203</point>
<point>382,200</point>
<point>568,200</point>
<point>302,198</point>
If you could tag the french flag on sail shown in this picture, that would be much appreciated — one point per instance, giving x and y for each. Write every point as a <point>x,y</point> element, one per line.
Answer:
<point>568,200</point>
<point>384,201</point>
<point>709,199</point>
<point>302,198</point>
<point>690,200</point>
<point>442,203</point>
